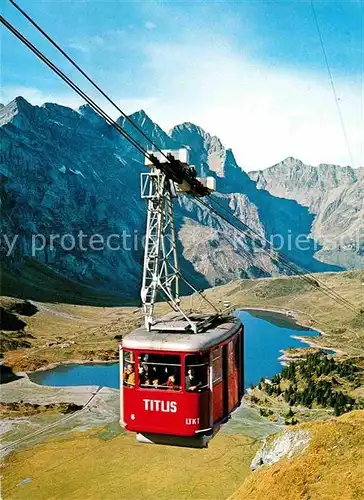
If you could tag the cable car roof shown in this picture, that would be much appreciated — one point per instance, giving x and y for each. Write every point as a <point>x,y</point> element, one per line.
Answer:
<point>181,342</point>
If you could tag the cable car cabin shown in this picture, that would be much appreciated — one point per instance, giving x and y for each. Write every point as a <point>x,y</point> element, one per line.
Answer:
<point>178,388</point>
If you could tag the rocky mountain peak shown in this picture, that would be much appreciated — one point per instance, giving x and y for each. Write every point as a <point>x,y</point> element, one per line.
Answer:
<point>141,119</point>
<point>205,149</point>
<point>188,132</point>
<point>211,157</point>
<point>294,174</point>
<point>150,129</point>
<point>140,115</point>
<point>21,103</point>
<point>87,112</point>
<point>289,162</point>
<point>58,110</point>
<point>19,106</point>
<point>187,127</point>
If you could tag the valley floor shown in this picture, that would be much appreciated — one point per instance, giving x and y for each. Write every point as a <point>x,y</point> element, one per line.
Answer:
<point>104,463</point>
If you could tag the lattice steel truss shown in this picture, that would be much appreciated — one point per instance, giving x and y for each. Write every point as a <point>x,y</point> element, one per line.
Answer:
<point>161,274</point>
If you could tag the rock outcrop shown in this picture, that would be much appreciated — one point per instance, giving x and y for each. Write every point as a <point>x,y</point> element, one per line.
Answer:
<point>286,445</point>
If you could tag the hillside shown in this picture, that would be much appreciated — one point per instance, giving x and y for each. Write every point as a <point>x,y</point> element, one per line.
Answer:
<point>107,464</point>
<point>91,333</point>
<point>315,387</point>
<point>330,468</point>
<point>341,327</point>
<point>313,460</point>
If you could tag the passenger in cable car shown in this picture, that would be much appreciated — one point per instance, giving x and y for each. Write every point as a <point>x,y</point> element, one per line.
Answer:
<point>192,384</point>
<point>143,363</point>
<point>142,375</point>
<point>129,375</point>
<point>155,383</point>
<point>171,383</point>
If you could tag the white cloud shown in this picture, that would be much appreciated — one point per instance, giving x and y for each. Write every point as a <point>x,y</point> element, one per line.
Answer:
<point>263,113</point>
<point>131,105</point>
<point>149,25</point>
<point>87,44</point>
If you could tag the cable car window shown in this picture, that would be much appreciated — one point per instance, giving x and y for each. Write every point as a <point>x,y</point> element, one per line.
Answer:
<point>160,371</point>
<point>216,365</point>
<point>197,370</point>
<point>128,369</point>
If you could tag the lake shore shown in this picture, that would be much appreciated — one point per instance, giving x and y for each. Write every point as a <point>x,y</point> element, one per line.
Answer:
<point>51,366</point>
<point>295,317</point>
<point>290,316</point>
<point>322,346</point>
<point>312,342</point>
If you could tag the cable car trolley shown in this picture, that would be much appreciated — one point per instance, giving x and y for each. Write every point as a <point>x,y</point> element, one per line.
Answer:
<point>181,375</point>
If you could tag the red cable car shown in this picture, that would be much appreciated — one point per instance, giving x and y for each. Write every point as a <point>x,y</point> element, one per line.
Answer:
<point>178,388</point>
<point>181,375</point>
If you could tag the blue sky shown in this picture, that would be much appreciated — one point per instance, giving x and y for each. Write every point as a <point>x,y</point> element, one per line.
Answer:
<point>251,72</point>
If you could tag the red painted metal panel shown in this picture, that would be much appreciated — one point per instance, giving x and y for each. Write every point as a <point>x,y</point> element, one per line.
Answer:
<point>165,412</point>
<point>218,402</point>
<point>233,369</point>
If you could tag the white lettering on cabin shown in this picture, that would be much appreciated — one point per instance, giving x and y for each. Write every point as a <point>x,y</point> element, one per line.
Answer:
<point>192,421</point>
<point>158,405</point>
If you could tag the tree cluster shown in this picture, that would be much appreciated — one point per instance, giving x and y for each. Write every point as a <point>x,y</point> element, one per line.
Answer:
<point>314,380</point>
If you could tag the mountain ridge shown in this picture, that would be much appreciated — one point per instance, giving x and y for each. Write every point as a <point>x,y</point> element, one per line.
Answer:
<point>65,169</point>
<point>333,194</point>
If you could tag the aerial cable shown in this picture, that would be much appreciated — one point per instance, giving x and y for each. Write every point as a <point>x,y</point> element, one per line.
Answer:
<point>199,292</point>
<point>88,78</point>
<point>332,83</point>
<point>77,89</point>
<point>254,240</point>
<point>297,269</point>
<point>94,106</point>
<point>276,256</point>
<point>286,264</point>
<point>310,278</point>
<point>107,118</point>
<point>173,173</point>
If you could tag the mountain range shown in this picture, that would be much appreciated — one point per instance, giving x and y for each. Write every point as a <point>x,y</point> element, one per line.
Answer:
<point>64,171</point>
<point>334,195</point>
